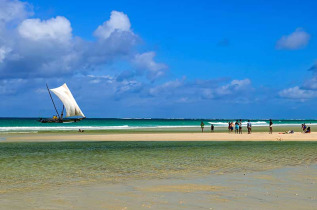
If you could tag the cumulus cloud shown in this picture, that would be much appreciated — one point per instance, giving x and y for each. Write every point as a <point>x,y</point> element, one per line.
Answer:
<point>115,89</point>
<point>180,90</point>
<point>98,79</point>
<point>310,84</point>
<point>14,10</point>
<point>126,75</point>
<point>234,86</point>
<point>167,87</point>
<point>200,90</point>
<point>128,86</point>
<point>296,40</point>
<point>11,86</point>
<point>145,61</point>
<point>118,22</point>
<point>307,90</point>
<point>3,53</point>
<point>297,93</point>
<point>36,48</point>
<point>54,29</point>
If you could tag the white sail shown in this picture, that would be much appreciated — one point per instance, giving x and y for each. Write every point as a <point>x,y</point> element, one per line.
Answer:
<point>71,106</point>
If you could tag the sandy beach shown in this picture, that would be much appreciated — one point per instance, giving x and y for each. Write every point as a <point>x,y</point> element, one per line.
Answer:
<point>206,136</point>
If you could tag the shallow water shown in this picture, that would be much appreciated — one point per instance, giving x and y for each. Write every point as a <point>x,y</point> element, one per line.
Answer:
<point>29,166</point>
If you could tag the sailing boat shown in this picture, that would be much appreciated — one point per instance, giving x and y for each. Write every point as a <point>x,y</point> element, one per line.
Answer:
<point>69,103</point>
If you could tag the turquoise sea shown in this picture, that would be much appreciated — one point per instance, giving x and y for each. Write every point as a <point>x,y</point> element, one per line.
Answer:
<point>31,124</point>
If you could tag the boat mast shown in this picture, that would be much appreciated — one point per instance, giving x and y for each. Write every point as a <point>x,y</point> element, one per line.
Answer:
<point>62,113</point>
<point>52,101</point>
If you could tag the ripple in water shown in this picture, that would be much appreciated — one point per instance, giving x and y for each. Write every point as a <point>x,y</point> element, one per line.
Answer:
<point>36,165</point>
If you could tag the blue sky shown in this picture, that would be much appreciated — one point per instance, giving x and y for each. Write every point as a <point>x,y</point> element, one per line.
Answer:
<point>180,59</point>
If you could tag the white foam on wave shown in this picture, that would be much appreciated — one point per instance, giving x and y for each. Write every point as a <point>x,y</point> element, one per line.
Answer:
<point>62,128</point>
<point>260,123</point>
<point>244,123</point>
<point>75,128</point>
<point>289,124</point>
<point>176,126</point>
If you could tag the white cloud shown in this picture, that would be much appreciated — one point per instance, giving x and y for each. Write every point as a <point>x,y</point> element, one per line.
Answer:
<point>56,52</point>
<point>118,22</point>
<point>307,90</point>
<point>311,84</point>
<point>167,87</point>
<point>145,61</point>
<point>98,79</point>
<point>297,93</point>
<point>201,90</point>
<point>234,86</point>
<point>36,51</point>
<point>14,10</point>
<point>11,86</point>
<point>128,86</point>
<point>296,40</point>
<point>58,29</point>
<point>3,53</point>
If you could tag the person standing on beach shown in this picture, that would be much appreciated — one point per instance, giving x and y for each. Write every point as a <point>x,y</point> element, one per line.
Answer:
<point>240,127</point>
<point>212,127</point>
<point>236,130</point>
<point>249,127</point>
<point>271,127</point>
<point>202,126</point>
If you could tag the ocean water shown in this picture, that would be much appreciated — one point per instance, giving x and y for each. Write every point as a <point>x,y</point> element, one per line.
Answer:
<point>32,125</point>
<point>30,166</point>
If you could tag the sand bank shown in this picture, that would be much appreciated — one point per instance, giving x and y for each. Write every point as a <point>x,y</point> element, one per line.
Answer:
<point>259,136</point>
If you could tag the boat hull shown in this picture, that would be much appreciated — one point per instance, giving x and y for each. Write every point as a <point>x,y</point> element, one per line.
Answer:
<point>59,121</point>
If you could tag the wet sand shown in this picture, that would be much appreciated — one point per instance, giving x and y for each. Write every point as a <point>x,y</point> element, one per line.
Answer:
<point>206,136</point>
<point>284,188</point>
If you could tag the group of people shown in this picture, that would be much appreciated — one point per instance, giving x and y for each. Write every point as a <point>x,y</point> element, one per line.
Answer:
<point>305,128</point>
<point>238,127</point>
